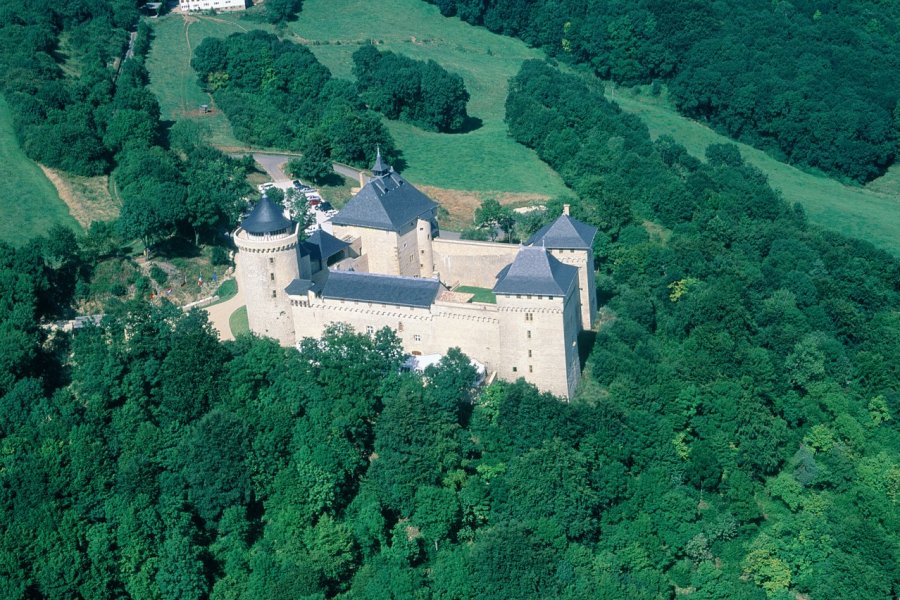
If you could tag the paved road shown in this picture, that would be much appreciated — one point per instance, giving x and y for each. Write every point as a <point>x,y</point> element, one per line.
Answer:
<point>219,314</point>
<point>274,166</point>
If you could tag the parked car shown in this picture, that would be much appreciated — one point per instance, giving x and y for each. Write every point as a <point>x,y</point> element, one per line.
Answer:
<point>325,206</point>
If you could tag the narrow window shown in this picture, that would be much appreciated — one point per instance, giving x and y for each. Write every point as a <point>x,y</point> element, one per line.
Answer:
<point>529,331</point>
<point>400,326</point>
<point>273,293</point>
<point>370,330</point>
<point>530,369</point>
<point>529,354</point>
<point>271,261</point>
<point>271,276</point>
<point>417,337</point>
<point>515,369</point>
<point>529,317</point>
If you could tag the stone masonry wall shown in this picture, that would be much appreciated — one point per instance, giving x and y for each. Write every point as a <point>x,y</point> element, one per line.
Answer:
<point>466,262</point>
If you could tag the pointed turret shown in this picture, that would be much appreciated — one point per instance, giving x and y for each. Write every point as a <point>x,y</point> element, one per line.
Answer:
<point>380,167</point>
<point>266,218</point>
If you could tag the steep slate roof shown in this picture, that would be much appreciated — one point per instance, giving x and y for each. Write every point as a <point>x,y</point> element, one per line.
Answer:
<point>388,202</point>
<point>322,245</point>
<point>266,217</point>
<point>381,289</point>
<point>535,271</point>
<point>564,232</point>
<point>299,287</point>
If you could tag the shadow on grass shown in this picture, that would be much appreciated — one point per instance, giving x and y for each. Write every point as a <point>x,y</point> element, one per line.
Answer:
<point>332,179</point>
<point>469,125</point>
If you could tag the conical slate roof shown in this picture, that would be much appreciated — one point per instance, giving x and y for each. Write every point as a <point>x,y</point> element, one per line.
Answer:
<point>535,271</point>
<point>564,232</point>
<point>266,217</point>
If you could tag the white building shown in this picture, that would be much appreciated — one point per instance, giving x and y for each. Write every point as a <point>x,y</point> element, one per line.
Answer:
<point>221,5</point>
<point>385,267</point>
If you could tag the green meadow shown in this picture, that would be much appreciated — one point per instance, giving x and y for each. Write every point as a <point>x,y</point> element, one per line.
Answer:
<point>486,159</point>
<point>174,81</point>
<point>29,201</point>
<point>871,213</point>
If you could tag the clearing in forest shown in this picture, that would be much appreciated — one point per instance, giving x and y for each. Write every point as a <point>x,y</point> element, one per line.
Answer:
<point>28,200</point>
<point>483,159</point>
<point>870,213</point>
<point>174,81</point>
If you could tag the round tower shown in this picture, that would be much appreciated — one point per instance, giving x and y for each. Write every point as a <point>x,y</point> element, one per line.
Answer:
<point>267,245</point>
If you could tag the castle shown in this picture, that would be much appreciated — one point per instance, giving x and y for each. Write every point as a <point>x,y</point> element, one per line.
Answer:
<point>385,265</point>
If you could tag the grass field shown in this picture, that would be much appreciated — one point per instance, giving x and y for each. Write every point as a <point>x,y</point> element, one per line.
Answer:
<point>28,200</point>
<point>485,159</point>
<point>174,81</point>
<point>871,213</point>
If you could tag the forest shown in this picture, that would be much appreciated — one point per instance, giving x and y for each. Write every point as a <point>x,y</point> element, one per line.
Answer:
<point>277,94</point>
<point>735,437</point>
<point>419,92</point>
<point>809,81</point>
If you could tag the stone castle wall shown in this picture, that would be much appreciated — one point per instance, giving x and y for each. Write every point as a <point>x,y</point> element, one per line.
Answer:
<point>583,260</point>
<point>467,262</point>
<point>498,335</point>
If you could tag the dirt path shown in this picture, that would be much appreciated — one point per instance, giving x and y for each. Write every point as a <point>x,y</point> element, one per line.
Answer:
<point>87,198</point>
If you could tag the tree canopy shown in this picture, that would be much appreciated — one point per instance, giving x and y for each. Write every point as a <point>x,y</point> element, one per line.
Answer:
<point>810,82</point>
<point>419,92</point>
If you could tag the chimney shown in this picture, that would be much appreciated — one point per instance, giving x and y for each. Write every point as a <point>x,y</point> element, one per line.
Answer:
<point>566,209</point>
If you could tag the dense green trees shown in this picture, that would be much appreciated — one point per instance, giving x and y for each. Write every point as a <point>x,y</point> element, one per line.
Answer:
<point>276,94</point>
<point>727,372</point>
<point>421,93</point>
<point>807,81</point>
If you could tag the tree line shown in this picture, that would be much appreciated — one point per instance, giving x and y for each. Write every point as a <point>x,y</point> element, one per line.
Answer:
<point>277,94</point>
<point>419,92</point>
<point>808,81</point>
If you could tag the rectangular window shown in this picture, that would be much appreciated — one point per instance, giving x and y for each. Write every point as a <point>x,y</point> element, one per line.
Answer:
<point>529,317</point>
<point>515,369</point>
<point>400,326</point>
<point>529,296</point>
<point>370,330</point>
<point>417,338</point>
